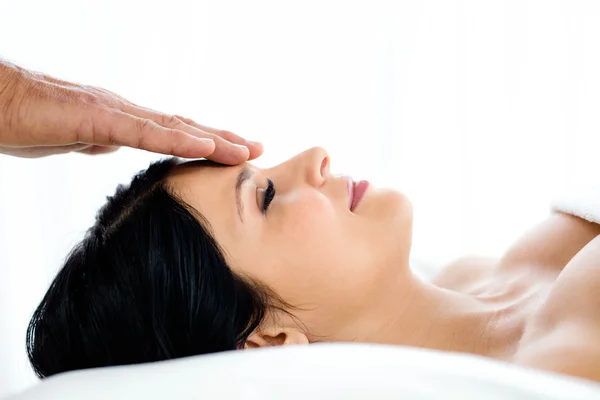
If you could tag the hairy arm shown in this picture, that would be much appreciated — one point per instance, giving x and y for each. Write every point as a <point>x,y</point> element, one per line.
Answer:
<point>41,115</point>
<point>8,72</point>
<point>8,75</point>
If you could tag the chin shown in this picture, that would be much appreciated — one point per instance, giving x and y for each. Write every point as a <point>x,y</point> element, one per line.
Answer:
<point>392,212</point>
<point>385,204</point>
<point>399,218</point>
<point>395,204</point>
<point>390,216</point>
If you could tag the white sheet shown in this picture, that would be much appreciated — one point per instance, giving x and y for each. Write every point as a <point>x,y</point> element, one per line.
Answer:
<point>332,370</point>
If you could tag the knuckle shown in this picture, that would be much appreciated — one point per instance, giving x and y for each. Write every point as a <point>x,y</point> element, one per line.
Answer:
<point>228,135</point>
<point>109,127</point>
<point>170,120</point>
<point>188,121</point>
<point>92,95</point>
<point>86,131</point>
<point>88,98</point>
<point>224,133</point>
<point>143,124</point>
<point>96,127</point>
<point>111,139</point>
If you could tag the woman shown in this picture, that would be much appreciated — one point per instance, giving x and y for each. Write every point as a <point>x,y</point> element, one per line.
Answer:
<point>197,258</point>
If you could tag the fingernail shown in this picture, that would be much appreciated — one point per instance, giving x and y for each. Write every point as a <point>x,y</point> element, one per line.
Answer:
<point>254,143</point>
<point>206,140</point>
<point>241,146</point>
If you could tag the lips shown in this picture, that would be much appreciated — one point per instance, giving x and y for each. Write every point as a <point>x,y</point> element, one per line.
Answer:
<point>356,191</point>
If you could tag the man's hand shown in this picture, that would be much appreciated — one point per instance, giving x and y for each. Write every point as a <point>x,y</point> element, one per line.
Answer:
<point>41,115</point>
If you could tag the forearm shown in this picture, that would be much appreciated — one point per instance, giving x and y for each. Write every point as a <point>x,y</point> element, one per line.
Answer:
<point>9,76</point>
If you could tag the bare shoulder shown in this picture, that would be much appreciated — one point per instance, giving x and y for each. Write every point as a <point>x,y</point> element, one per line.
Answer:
<point>465,271</point>
<point>549,246</point>
<point>562,335</point>
<point>551,243</point>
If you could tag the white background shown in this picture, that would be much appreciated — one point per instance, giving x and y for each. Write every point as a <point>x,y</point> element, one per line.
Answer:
<point>478,110</point>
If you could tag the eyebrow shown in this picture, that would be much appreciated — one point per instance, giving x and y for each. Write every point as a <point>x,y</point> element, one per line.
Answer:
<point>245,174</point>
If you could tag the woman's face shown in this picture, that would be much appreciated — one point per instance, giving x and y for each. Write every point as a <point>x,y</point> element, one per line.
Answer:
<point>309,246</point>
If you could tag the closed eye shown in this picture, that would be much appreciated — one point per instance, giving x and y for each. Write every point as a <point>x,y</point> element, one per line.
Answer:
<point>269,195</point>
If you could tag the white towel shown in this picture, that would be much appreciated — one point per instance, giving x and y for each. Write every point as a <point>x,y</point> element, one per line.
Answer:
<point>583,202</point>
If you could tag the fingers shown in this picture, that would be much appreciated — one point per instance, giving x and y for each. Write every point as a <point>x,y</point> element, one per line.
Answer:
<point>225,152</point>
<point>256,148</point>
<point>93,150</point>
<point>122,129</point>
<point>41,151</point>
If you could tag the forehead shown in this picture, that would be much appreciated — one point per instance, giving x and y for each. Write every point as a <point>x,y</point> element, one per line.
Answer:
<point>210,189</point>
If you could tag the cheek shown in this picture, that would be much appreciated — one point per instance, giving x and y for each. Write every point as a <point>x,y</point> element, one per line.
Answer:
<point>306,246</point>
<point>321,255</point>
<point>306,220</point>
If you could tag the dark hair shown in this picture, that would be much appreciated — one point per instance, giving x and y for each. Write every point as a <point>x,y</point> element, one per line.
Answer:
<point>147,283</point>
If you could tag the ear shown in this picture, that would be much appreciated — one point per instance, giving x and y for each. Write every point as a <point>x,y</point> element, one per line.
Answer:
<point>275,336</point>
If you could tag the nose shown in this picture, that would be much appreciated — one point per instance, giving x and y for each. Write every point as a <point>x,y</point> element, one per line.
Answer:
<point>310,166</point>
<point>317,166</point>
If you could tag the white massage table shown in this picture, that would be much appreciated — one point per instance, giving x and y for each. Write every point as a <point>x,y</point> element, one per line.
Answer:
<point>330,370</point>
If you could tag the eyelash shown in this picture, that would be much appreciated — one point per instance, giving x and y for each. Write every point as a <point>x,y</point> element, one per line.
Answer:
<point>269,195</point>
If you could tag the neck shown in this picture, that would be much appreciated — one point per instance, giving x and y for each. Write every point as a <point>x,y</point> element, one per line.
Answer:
<point>432,317</point>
